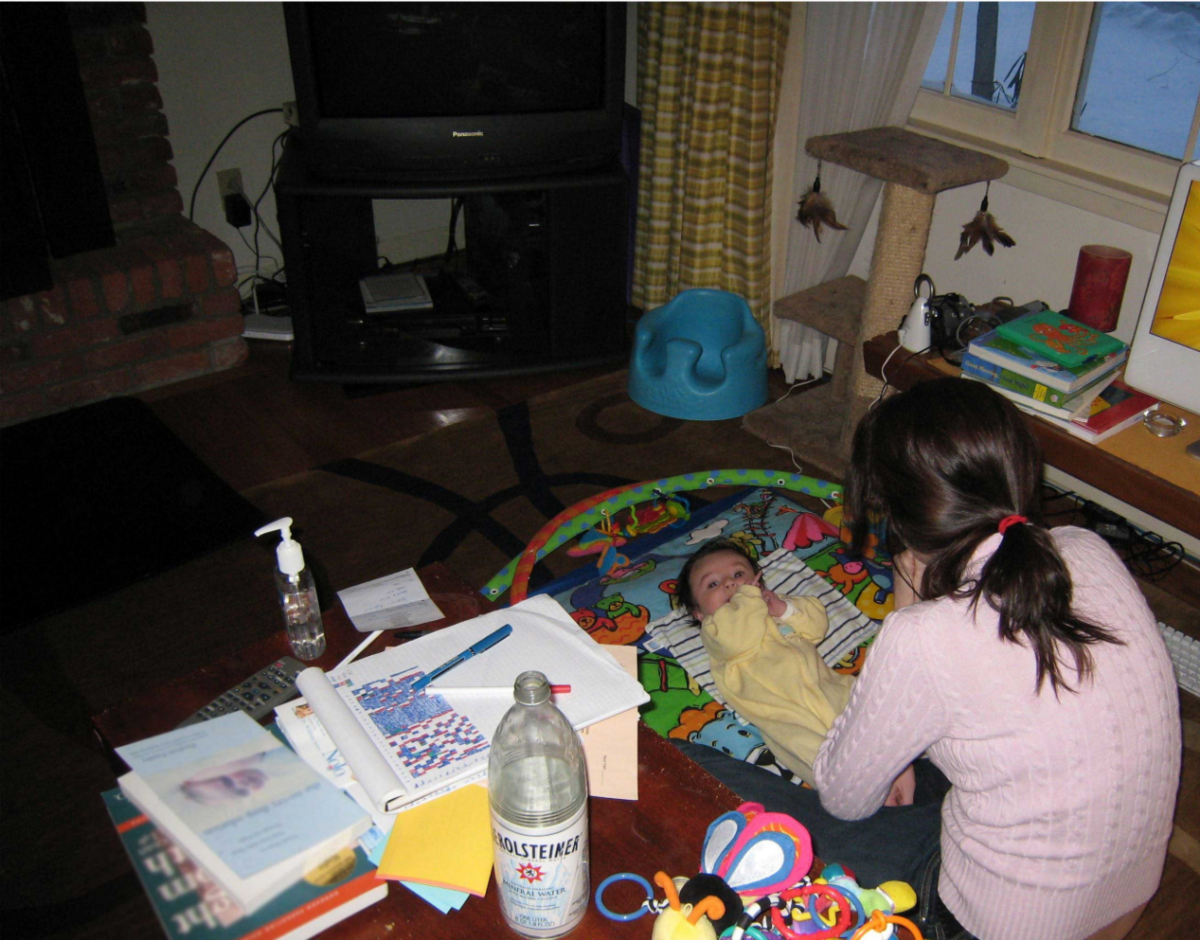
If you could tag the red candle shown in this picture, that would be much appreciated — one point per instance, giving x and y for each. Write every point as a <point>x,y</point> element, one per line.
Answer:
<point>1099,288</point>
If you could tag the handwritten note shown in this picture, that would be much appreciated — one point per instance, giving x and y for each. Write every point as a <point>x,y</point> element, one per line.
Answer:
<point>388,603</point>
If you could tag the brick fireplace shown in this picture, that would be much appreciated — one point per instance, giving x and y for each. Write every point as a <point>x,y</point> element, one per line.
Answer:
<point>162,303</point>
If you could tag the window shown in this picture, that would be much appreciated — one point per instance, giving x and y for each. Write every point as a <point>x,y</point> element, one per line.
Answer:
<point>1100,97</point>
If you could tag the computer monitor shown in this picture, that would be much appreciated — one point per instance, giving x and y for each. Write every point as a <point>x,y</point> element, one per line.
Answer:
<point>1164,358</point>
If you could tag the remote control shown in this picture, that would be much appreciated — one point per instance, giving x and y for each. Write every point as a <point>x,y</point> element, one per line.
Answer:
<point>258,695</point>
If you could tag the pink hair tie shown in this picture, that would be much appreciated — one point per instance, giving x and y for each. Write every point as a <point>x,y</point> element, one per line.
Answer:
<point>1009,521</point>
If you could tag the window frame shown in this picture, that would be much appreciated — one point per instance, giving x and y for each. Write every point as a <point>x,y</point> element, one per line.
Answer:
<point>1044,154</point>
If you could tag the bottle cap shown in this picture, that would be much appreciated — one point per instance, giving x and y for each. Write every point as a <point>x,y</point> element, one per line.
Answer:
<point>288,553</point>
<point>531,688</point>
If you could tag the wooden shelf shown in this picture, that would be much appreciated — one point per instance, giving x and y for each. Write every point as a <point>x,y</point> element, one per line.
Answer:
<point>1133,484</point>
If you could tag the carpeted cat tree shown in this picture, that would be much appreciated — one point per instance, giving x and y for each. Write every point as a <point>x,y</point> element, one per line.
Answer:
<point>819,424</point>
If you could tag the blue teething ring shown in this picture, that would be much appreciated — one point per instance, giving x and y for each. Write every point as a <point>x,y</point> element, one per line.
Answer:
<point>623,876</point>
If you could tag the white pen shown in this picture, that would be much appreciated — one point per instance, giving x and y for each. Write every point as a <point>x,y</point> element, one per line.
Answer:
<point>487,689</point>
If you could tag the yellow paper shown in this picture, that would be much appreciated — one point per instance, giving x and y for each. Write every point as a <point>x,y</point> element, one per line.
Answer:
<point>446,842</point>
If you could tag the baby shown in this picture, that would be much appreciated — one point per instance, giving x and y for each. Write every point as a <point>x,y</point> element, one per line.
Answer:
<point>762,652</point>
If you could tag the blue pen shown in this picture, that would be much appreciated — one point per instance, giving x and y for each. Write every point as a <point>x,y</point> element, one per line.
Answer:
<point>474,650</point>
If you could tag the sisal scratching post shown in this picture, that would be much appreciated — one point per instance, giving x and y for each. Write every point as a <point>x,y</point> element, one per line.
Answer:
<point>819,425</point>
<point>899,256</point>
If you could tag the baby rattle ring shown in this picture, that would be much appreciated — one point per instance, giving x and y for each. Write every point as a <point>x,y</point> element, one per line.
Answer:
<point>643,908</point>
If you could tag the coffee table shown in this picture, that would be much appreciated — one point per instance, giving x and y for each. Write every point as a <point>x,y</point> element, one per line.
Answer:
<point>662,830</point>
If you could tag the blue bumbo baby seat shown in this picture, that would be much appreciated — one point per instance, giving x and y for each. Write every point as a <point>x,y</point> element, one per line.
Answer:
<point>702,356</point>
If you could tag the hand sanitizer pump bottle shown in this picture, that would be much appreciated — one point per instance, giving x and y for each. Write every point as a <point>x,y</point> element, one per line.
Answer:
<point>537,788</point>
<point>297,594</point>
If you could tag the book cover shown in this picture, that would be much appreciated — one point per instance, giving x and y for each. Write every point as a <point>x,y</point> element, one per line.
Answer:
<point>1114,409</point>
<point>1057,337</point>
<point>994,348</point>
<point>1030,387</point>
<point>1065,405</point>
<point>189,904</point>
<point>240,803</point>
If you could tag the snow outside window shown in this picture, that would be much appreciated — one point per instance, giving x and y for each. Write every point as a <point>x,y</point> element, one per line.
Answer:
<point>1100,97</point>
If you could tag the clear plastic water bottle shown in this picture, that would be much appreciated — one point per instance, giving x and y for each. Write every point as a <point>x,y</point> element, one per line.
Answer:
<point>537,788</point>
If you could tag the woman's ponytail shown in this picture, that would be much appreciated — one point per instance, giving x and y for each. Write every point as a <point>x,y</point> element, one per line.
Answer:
<point>1027,583</point>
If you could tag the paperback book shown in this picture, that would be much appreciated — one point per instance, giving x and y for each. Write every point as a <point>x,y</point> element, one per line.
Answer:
<point>188,903</point>
<point>1065,405</point>
<point>1001,351</point>
<point>245,808</point>
<point>1115,409</point>
<point>1057,337</point>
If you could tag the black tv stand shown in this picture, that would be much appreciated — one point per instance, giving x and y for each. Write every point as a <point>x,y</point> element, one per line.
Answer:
<point>540,284</point>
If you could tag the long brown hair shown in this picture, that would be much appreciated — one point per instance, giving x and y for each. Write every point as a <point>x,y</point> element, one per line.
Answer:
<point>941,465</point>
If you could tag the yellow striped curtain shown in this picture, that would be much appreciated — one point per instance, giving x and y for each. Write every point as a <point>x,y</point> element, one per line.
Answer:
<point>708,83</point>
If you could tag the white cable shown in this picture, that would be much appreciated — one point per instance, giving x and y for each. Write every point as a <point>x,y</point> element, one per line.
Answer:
<point>796,385</point>
<point>791,453</point>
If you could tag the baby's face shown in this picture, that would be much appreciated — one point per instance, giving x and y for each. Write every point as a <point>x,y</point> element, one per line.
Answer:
<point>716,578</point>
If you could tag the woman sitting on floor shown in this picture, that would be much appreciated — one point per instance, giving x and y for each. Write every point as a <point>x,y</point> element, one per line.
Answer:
<point>1024,663</point>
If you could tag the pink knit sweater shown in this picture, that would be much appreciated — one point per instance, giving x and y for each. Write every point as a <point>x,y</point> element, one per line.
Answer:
<point>1061,808</point>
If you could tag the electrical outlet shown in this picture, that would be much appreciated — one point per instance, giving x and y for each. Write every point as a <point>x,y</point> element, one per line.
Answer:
<point>291,114</point>
<point>229,182</point>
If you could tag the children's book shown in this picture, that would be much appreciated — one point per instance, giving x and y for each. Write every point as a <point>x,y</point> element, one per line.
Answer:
<point>1046,401</point>
<point>245,808</point>
<point>994,348</point>
<point>188,903</point>
<point>407,746</point>
<point>1057,337</point>
<point>1115,409</point>
<point>1028,387</point>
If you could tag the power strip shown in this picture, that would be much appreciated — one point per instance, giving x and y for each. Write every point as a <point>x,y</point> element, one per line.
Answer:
<point>1185,657</point>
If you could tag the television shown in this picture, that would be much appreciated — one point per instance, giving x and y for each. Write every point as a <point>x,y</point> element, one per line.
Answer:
<point>417,91</point>
<point>1164,357</point>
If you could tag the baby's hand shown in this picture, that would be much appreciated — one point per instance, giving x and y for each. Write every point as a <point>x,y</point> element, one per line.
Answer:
<point>776,606</point>
<point>903,788</point>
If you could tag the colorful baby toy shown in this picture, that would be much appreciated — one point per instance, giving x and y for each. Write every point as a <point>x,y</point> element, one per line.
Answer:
<point>754,883</point>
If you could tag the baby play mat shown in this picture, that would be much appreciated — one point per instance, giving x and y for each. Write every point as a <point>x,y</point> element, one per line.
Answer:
<point>800,552</point>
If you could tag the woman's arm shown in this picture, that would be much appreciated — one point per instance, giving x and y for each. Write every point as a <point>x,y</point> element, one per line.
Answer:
<point>895,714</point>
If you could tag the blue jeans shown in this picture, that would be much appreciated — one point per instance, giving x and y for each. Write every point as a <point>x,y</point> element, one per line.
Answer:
<point>897,843</point>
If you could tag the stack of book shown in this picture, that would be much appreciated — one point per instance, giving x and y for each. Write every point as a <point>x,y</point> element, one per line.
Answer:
<point>1060,370</point>
<point>231,834</point>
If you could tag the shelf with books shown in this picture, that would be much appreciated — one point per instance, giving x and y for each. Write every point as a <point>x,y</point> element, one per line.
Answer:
<point>1129,476</point>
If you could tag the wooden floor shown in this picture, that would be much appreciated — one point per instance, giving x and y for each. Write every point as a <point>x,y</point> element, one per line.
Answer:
<point>253,425</point>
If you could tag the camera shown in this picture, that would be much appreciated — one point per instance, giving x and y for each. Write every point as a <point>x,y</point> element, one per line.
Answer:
<point>947,314</point>
<point>935,320</point>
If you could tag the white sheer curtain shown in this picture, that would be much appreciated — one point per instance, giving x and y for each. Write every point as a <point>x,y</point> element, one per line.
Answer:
<point>861,67</point>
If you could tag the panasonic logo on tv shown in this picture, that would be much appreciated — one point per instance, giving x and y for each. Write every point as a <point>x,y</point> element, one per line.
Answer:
<point>466,133</point>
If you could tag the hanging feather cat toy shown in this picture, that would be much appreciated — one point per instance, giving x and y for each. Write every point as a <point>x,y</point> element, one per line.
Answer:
<point>816,209</point>
<point>983,229</point>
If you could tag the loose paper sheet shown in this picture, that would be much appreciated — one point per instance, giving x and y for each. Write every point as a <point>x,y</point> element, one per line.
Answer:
<point>388,603</point>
